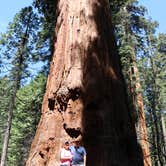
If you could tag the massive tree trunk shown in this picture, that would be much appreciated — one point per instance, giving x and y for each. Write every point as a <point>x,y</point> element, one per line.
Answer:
<point>85,94</point>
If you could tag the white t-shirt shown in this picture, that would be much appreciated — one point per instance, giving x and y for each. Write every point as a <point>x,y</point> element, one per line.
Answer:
<point>66,156</point>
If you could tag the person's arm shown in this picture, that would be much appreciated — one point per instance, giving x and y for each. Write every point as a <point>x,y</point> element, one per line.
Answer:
<point>84,151</point>
<point>84,160</point>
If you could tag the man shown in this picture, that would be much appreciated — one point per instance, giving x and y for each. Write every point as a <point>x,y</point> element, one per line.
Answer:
<point>79,154</point>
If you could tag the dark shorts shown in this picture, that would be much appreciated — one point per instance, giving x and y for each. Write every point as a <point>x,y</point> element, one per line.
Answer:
<point>78,164</point>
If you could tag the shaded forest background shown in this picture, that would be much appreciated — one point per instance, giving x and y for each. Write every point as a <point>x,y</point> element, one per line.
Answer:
<point>25,52</point>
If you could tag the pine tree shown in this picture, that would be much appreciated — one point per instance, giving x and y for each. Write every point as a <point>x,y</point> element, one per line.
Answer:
<point>18,49</point>
<point>5,87</point>
<point>26,116</point>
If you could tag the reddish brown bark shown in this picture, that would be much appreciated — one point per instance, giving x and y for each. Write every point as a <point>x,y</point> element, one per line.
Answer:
<point>134,87</point>
<point>143,132</point>
<point>141,129</point>
<point>85,95</point>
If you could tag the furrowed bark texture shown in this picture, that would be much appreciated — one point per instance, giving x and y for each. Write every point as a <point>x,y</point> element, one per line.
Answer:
<point>141,128</point>
<point>85,96</point>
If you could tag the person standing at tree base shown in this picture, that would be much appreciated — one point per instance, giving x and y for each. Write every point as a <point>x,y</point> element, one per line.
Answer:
<point>65,155</point>
<point>79,154</point>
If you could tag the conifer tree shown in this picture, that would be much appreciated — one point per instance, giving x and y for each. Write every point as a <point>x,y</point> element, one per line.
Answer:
<point>155,94</point>
<point>129,27</point>
<point>152,75</point>
<point>26,116</point>
<point>17,48</point>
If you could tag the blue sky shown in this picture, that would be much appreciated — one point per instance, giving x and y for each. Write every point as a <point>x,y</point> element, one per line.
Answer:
<point>8,8</point>
<point>157,11</point>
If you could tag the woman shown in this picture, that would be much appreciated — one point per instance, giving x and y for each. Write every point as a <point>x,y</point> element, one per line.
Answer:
<point>65,155</point>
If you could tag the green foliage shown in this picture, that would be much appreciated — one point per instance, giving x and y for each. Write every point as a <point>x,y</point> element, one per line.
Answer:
<point>26,116</point>
<point>20,39</point>
<point>153,73</point>
<point>19,54</point>
<point>137,43</point>
<point>47,35</point>
<point>129,28</point>
<point>4,102</point>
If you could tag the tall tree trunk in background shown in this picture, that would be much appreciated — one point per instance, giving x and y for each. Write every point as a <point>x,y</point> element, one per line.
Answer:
<point>11,108</point>
<point>8,124</point>
<point>138,101</point>
<point>164,132</point>
<point>134,86</point>
<point>17,75</point>
<point>143,130</point>
<point>154,102</point>
<point>85,95</point>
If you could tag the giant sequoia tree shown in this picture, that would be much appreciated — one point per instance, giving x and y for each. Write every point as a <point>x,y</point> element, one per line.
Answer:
<point>85,95</point>
<point>130,26</point>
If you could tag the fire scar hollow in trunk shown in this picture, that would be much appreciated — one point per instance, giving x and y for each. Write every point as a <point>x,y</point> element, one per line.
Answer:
<point>85,96</point>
